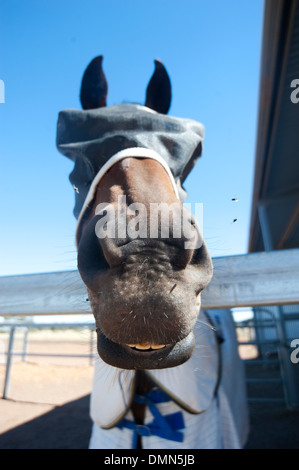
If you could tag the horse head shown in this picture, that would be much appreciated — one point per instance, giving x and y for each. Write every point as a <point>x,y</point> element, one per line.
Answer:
<point>140,251</point>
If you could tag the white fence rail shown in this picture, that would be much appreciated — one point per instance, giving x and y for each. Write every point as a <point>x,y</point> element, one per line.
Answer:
<point>267,278</point>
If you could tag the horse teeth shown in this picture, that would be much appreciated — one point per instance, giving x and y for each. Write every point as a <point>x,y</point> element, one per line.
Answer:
<point>144,347</point>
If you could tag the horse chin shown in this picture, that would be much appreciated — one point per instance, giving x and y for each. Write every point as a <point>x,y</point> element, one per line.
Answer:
<point>125,357</point>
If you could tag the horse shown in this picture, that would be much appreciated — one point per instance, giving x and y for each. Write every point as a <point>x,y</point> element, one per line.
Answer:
<point>166,371</point>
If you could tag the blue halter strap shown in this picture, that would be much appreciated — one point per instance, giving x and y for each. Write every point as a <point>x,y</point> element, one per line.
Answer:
<point>166,427</point>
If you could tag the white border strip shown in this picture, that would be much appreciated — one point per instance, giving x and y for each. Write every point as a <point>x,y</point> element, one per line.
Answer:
<point>135,152</point>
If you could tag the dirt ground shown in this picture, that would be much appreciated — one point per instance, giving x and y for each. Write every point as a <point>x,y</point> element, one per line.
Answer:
<point>48,402</point>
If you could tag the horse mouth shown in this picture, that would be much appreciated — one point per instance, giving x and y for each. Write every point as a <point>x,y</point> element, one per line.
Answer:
<point>146,346</point>
<point>146,355</point>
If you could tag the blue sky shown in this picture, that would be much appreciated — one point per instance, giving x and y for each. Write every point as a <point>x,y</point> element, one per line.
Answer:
<point>211,49</point>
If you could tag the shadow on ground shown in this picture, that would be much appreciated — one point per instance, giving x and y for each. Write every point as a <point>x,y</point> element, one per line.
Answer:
<point>65,427</point>
<point>69,427</point>
<point>273,426</point>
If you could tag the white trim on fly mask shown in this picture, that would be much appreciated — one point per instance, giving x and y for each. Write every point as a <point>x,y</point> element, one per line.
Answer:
<point>135,152</point>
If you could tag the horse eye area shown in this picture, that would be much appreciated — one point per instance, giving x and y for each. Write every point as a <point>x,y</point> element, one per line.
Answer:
<point>146,346</point>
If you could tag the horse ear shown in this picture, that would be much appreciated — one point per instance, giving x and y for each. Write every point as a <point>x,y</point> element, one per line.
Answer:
<point>158,93</point>
<point>94,87</point>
